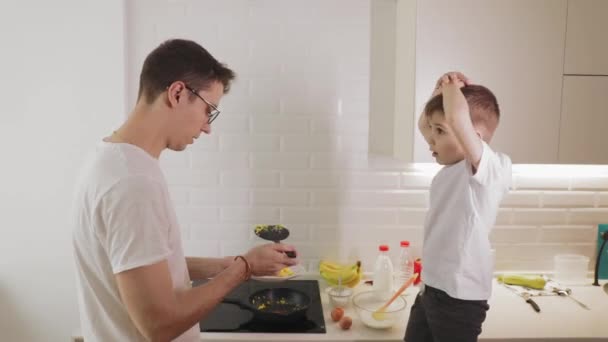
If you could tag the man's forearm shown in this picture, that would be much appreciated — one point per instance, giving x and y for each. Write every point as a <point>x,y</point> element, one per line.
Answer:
<point>193,304</point>
<point>203,268</point>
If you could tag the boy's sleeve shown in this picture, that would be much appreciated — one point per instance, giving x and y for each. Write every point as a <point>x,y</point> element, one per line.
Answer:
<point>136,224</point>
<point>494,169</point>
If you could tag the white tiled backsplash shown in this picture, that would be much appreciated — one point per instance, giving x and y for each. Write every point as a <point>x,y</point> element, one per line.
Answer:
<point>290,146</point>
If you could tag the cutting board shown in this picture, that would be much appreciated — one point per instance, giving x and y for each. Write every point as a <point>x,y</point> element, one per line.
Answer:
<point>603,271</point>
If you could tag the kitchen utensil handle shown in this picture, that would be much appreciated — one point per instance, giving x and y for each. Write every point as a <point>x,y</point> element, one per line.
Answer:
<point>534,305</point>
<point>237,303</point>
<point>581,304</point>
<point>290,254</point>
<point>401,289</point>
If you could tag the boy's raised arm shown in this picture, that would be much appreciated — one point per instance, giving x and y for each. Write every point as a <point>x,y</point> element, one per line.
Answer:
<point>457,115</point>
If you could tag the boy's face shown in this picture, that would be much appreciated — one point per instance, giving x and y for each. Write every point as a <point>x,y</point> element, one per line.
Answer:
<point>442,141</point>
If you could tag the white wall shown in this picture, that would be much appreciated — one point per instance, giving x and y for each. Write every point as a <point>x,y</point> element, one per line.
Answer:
<point>62,88</point>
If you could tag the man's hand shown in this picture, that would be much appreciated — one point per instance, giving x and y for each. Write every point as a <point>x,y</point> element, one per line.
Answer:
<point>269,259</point>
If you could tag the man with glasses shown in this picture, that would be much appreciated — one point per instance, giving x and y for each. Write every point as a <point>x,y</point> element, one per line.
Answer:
<point>133,278</point>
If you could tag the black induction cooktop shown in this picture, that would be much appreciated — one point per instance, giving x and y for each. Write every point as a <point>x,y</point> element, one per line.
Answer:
<point>230,318</point>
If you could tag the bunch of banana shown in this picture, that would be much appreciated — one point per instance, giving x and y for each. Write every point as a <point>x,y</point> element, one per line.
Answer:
<point>333,273</point>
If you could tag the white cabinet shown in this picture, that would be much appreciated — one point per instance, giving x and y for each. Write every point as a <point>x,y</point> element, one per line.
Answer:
<point>516,49</point>
<point>587,38</point>
<point>584,120</point>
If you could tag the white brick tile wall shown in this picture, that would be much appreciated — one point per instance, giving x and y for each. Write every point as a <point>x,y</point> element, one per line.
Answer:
<point>386,199</point>
<point>219,161</point>
<point>567,234</point>
<point>523,182</point>
<point>252,215</point>
<point>188,215</point>
<point>250,179</point>
<point>280,198</point>
<point>280,125</point>
<point>539,216</point>
<point>191,177</point>
<point>250,143</point>
<point>562,199</point>
<point>219,197</point>
<point>291,145</point>
<point>602,200</point>
<point>514,234</point>
<point>588,216</point>
<point>307,143</point>
<point>416,180</point>
<point>590,183</point>
<point>412,217</point>
<point>280,161</point>
<point>522,199</point>
<point>208,143</point>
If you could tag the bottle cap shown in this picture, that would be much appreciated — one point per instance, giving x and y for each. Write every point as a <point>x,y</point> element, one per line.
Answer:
<point>383,248</point>
<point>405,243</point>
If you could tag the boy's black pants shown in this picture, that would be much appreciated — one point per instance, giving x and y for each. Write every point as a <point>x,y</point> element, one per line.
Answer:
<point>437,317</point>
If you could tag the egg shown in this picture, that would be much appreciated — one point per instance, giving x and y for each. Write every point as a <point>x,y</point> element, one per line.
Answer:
<point>336,314</point>
<point>346,322</point>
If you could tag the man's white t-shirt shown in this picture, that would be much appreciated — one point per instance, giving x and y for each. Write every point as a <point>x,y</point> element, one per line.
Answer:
<point>456,255</point>
<point>122,219</point>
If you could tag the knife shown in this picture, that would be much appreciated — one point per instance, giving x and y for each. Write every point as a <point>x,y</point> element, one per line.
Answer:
<point>526,296</point>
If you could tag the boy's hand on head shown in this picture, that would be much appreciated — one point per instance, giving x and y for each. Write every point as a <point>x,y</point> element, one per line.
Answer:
<point>454,102</point>
<point>458,117</point>
<point>452,75</point>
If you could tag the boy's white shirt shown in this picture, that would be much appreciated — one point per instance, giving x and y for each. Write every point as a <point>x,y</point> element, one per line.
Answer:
<point>456,254</point>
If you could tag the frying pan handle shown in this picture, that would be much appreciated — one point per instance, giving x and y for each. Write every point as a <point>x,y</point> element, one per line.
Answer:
<point>237,303</point>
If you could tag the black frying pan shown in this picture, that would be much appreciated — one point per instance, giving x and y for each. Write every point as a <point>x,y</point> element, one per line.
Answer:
<point>277,305</point>
<point>273,232</point>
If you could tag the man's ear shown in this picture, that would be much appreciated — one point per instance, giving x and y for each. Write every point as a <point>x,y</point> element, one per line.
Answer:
<point>174,92</point>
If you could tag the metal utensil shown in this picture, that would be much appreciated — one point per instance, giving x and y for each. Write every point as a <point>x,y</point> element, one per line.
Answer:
<point>275,233</point>
<point>568,293</point>
<point>526,296</point>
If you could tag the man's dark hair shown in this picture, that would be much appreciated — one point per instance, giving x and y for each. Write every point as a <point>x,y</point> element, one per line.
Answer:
<point>181,60</point>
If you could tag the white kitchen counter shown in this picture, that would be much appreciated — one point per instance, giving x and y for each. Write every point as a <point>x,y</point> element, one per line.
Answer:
<point>510,319</point>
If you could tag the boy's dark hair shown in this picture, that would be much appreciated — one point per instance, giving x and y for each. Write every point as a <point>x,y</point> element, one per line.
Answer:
<point>482,104</point>
<point>181,60</point>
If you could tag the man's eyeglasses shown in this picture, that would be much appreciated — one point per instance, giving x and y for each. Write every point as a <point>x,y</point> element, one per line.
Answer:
<point>213,114</point>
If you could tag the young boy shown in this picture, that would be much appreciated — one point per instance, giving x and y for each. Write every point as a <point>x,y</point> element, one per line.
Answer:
<point>458,123</point>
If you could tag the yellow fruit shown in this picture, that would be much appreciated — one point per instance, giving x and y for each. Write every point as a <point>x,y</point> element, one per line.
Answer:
<point>535,282</point>
<point>286,272</point>
<point>333,273</point>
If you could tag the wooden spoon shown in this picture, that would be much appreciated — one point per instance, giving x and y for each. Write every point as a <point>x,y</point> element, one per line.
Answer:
<point>379,315</point>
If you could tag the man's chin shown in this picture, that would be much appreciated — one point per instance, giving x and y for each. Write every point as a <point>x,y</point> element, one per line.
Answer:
<point>177,148</point>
